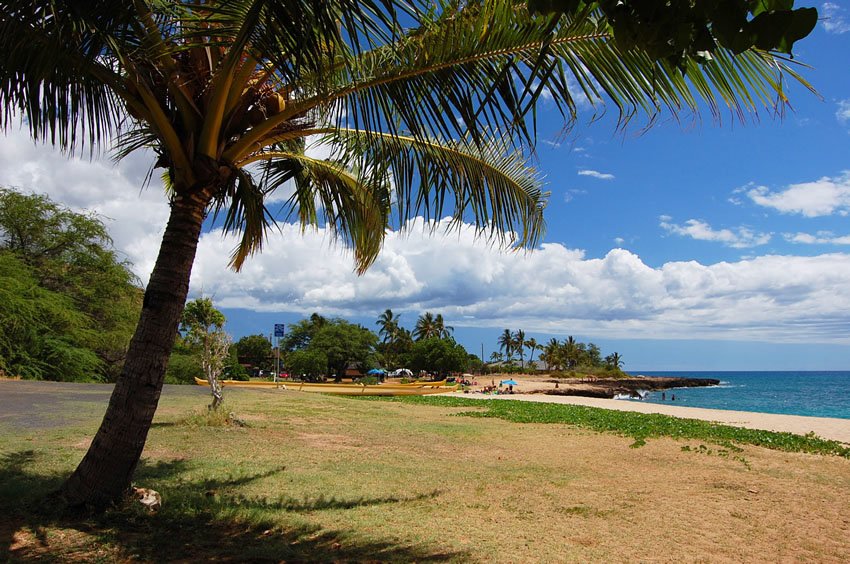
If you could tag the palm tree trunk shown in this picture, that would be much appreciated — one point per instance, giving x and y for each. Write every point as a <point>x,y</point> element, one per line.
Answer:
<point>103,476</point>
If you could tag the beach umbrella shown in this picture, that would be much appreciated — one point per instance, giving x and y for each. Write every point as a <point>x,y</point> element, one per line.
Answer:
<point>376,371</point>
<point>509,383</point>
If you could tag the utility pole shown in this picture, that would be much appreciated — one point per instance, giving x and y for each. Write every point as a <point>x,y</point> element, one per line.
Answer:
<point>482,358</point>
<point>279,331</point>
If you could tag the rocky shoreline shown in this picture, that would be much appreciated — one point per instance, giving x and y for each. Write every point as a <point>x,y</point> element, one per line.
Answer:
<point>611,388</point>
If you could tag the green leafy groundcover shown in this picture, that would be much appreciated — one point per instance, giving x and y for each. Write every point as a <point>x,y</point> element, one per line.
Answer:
<point>640,426</point>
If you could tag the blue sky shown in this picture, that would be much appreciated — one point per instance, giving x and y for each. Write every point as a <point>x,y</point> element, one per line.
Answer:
<point>692,246</point>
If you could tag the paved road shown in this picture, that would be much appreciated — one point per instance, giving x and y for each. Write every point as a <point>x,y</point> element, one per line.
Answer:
<point>28,404</point>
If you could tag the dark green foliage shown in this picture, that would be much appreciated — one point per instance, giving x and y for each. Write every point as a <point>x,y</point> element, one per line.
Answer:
<point>300,334</point>
<point>183,368</point>
<point>439,355</point>
<point>344,343</point>
<point>67,305</point>
<point>676,30</point>
<point>579,359</point>
<point>232,369</point>
<point>320,346</point>
<point>307,364</point>
<point>255,350</point>
<point>640,426</point>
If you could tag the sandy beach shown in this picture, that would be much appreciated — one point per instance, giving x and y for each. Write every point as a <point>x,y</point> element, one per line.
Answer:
<point>825,427</point>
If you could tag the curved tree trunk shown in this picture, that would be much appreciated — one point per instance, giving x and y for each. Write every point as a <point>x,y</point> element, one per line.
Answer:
<point>103,476</point>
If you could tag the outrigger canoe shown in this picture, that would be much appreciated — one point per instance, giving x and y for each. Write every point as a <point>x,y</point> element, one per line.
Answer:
<point>419,384</point>
<point>419,389</point>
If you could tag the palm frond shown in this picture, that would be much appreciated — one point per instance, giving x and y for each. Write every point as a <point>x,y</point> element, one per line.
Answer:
<point>477,70</point>
<point>245,214</point>
<point>492,187</point>
<point>353,205</point>
<point>52,72</point>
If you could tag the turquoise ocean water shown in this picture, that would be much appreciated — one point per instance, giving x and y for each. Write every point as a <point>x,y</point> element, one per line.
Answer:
<point>820,394</point>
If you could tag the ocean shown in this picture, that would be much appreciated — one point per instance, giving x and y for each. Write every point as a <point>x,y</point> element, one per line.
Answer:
<point>819,394</point>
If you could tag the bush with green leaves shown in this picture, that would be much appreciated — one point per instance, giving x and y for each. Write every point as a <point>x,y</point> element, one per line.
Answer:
<point>67,304</point>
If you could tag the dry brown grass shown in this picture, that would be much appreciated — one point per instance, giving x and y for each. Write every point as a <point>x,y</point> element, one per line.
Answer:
<point>341,479</point>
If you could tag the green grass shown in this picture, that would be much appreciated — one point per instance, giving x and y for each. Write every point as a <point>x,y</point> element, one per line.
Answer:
<point>640,426</point>
<point>312,477</point>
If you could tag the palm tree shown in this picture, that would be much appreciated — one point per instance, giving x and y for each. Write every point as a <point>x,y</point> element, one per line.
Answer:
<point>551,353</point>
<point>506,344</point>
<point>614,360</point>
<point>426,327</point>
<point>570,351</point>
<point>532,346</point>
<point>389,331</point>
<point>519,346</point>
<point>421,107</point>
<point>594,354</point>
<point>388,324</point>
<point>442,330</point>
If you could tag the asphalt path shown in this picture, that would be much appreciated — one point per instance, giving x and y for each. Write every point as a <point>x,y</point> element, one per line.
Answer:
<point>32,405</point>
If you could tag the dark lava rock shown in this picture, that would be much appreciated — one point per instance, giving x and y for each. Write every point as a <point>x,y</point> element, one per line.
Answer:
<point>608,388</point>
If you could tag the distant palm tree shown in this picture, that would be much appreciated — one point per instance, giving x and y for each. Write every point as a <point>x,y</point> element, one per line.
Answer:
<point>317,321</point>
<point>506,344</point>
<point>532,346</point>
<point>614,360</point>
<point>551,354</point>
<point>389,332</point>
<point>570,351</point>
<point>443,331</point>
<point>426,327</point>
<point>388,324</point>
<point>594,354</point>
<point>519,346</point>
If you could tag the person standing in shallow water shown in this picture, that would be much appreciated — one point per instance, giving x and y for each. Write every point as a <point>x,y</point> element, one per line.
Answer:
<point>663,396</point>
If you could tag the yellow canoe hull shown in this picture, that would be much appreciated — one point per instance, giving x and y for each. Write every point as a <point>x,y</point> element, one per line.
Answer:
<point>420,389</point>
<point>437,384</point>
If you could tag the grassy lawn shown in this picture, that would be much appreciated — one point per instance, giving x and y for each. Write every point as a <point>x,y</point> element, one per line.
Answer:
<point>321,478</point>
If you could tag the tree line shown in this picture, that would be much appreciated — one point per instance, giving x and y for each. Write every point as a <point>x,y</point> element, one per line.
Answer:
<point>568,354</point>
<point>318,347</point>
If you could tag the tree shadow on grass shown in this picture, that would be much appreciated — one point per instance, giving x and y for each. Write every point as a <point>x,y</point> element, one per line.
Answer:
<point>200,520</point>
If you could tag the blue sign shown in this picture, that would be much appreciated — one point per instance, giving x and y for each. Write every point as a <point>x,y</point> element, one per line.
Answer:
<point>279,329</point>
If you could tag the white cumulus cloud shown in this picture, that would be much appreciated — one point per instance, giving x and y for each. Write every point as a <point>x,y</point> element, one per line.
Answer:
<point>826,196</point>
<point>843,111</point>
<point>832,18</point>
<point>618,295</point>
<point>820,238</point>
<point>740,238</point>
<point>784,298</point>
<point>134,216</point>
<point>596,174</point>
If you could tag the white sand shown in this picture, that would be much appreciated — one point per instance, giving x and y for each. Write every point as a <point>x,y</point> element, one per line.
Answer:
<point>825,427</point>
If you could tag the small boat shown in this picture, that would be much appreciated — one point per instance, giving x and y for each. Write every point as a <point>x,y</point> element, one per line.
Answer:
<point>419,389</point>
